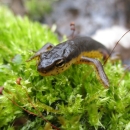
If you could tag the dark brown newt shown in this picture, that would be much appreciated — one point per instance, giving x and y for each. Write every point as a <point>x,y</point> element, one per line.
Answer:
<point>56,59</point>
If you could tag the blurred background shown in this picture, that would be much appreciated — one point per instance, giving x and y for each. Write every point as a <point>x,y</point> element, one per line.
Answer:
<point>105,21</point>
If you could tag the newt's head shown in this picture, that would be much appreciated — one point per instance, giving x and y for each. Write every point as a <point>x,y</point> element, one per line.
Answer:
<point>55,61</point>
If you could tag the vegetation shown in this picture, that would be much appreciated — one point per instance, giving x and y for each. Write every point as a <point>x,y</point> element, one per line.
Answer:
<point>37,9</point>
<point>73,100</point>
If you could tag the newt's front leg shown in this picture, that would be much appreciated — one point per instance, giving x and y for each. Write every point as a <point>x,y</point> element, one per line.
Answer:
<point>99,68</point>
<point>45,48</point>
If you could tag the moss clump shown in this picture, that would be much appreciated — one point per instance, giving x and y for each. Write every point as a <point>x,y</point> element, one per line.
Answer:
<point>72,100</point>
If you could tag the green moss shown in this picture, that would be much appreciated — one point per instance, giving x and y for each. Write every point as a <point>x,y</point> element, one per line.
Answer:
<point>73,100</point>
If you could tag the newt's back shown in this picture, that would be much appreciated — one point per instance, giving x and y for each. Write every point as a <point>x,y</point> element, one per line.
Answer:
<point>88,44</point>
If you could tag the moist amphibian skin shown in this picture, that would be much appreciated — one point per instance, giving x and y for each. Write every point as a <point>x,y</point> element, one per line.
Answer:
<point>53,60</point>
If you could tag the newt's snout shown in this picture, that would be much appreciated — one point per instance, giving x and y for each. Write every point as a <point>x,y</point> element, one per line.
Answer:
<point>43,69</point>
<point>39,67</point>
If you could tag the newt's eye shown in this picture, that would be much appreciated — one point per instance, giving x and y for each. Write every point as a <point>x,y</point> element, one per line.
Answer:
<point>60,63</point>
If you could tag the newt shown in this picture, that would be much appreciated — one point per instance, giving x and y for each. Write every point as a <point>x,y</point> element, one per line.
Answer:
<point>53,60</point>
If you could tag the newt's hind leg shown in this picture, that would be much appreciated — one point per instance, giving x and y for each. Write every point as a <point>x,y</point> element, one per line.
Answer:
<point>99,68</point>
<point>45,48</point>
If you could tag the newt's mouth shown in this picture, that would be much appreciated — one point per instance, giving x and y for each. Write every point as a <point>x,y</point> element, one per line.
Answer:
<point>50,71</point>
